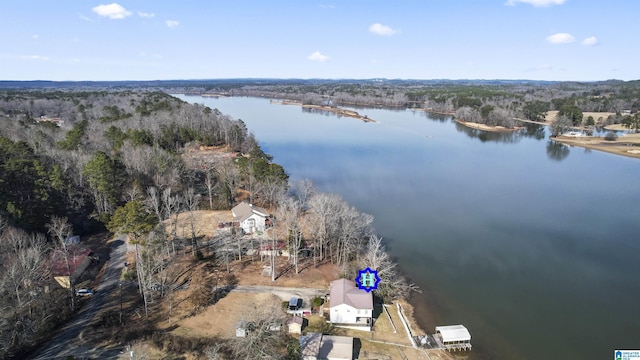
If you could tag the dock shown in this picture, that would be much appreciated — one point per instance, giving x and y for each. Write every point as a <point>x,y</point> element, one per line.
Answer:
<point>450,338</point>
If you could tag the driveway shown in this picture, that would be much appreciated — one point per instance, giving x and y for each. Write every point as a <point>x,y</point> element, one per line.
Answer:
<point>69,340</point>
<point>284,293</point>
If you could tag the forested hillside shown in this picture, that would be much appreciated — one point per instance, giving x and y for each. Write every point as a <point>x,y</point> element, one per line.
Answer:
<point>108,146</point>
<point>79,162</point>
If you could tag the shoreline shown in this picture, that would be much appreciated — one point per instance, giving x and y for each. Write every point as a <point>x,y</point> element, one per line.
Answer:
<point>628,145</point>
<point>484,127</point>
<point>336,110</point>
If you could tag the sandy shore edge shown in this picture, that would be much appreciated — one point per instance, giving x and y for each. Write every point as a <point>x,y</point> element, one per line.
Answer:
<point>628,145</point>
<point>336,110</point>
<point>484,127</point>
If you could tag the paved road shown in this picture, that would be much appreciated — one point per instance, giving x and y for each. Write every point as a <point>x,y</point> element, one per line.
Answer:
<point>284,293</point>
<point>69,340</point>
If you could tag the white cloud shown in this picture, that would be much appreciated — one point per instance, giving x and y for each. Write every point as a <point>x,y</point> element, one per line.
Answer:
<point>36,57</point>
<point>146,15</point>
<point>383,30</point>
<point>536,3</point>
<point>35,36</point>
<point>317,56</point>
<point>590,41</point>
<point>112,11</point>
<point>85,18</point>
<point>544,67</point>
<point>561,38</point>
<point>172,23</point>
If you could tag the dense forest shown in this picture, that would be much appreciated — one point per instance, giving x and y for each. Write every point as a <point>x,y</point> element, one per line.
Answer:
<point>78,162</point>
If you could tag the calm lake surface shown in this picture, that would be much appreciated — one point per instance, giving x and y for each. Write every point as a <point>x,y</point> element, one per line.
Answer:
<point>534,247</point>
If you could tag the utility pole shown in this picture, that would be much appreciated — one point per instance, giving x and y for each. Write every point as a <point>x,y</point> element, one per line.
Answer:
<point>120,286</point>
<point>273,250</point>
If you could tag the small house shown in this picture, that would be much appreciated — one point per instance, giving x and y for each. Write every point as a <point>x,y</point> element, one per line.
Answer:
<point>249,217</point>
<point>268,249</point>
<point>67,265</point>
<point>350,306</point>
<point>242,328</point>
<point>295,324</point>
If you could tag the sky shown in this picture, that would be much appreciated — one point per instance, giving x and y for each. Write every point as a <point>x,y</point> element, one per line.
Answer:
<point>74,40</point>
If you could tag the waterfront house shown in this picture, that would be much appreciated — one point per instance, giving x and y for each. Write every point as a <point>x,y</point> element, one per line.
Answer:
<point>249,217</point>
<point>350,306</point>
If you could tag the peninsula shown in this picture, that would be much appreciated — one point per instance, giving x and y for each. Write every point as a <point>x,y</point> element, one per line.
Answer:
<point>336,110</point>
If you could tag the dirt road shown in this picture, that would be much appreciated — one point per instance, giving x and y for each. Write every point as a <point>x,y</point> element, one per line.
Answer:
<point>69,340</point>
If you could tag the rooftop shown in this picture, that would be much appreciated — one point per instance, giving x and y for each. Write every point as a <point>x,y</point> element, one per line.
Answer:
<point>321,346</point>
<point>345,291</point>
<point>453,333</point>
<point>244,210</point>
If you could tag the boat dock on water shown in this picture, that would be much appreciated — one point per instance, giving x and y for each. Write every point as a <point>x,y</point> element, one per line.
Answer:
<point>451,338</point>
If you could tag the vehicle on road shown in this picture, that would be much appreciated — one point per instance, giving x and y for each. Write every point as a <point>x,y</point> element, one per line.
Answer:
<point>84,292</point>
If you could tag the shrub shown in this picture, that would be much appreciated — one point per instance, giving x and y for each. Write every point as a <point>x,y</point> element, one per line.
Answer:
<point>611,136</point>
<point>317,301</point>
<point>128,275</point>
<point>198,256</point>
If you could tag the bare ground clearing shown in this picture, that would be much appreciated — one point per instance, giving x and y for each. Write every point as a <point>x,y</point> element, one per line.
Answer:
<point>627,145</point>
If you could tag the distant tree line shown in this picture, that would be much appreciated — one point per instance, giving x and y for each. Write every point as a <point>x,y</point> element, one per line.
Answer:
<point>521,99</point>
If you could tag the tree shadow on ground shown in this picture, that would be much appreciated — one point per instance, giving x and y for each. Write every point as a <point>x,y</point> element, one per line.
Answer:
<point>357,345</point>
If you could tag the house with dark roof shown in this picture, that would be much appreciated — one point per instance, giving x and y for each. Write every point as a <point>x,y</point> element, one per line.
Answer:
<point>249,217</point>
<point>66,267</point>
<point>316,346</point>
<point>350,306</point>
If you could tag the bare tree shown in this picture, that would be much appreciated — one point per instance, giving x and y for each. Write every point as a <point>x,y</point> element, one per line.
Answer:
<point>60,229</point>
<point>214,352</point>
<point>392,284</point>
<point>22,270</point>
<point>265,336</point>
<point>172,205</point>
<point>191,201</point>
<point>222,244</point>
<point>290,213</point>
<point>210,181</point>
<point>302,190</point>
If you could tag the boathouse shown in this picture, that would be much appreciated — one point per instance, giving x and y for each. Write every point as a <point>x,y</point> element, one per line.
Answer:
<point>453,337</point>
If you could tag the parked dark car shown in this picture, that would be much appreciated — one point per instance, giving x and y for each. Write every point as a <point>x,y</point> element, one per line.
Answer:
<point>295,303</point>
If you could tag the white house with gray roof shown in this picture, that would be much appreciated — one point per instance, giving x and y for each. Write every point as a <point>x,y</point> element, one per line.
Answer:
<point>249,217</point>
<point>349,306</point>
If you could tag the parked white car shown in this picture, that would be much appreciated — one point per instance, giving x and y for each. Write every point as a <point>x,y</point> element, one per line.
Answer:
<point>84,292</point>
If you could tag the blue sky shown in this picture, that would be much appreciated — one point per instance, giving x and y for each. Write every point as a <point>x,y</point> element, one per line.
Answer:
<point>437,39</point>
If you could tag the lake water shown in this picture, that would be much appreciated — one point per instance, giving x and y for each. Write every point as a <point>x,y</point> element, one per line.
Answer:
<point>533,246</point>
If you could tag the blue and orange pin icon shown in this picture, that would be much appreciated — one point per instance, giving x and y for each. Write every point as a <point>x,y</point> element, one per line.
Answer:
<point>367,279</point>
